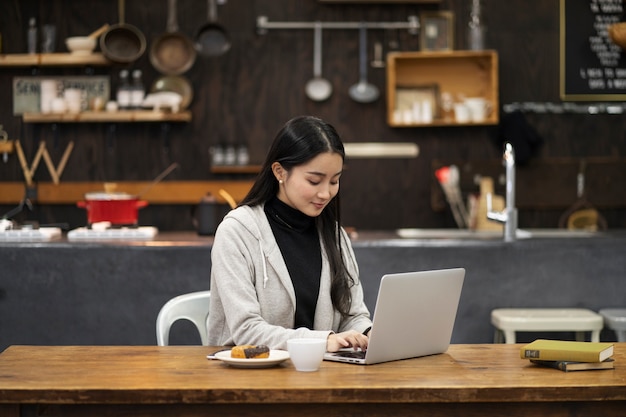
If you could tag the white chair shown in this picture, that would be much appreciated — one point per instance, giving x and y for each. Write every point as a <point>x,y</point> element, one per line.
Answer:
<point>615,319</point>
<point>193,307</point>
<point>508,321</point>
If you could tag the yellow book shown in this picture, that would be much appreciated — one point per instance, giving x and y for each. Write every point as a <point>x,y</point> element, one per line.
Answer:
<point>563,350</point>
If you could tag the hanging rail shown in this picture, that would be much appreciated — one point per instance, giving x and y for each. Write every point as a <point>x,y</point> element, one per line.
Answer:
<point>412,25</point>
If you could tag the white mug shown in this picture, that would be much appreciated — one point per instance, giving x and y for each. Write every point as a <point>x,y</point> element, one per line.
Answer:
<point>479,108</point>
<point>306,354</point>
<point>73,99</point>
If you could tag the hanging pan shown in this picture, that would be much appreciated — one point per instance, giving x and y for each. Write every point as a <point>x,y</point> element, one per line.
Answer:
<point>123,43</point>
<point>172,53</point>
<point>212,39</point>
<point>174,84</point>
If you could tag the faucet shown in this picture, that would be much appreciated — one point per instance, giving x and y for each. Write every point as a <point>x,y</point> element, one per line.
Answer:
<point>509,215</point>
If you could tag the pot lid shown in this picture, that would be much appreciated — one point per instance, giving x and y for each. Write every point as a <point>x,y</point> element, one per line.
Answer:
<point>101,195</point>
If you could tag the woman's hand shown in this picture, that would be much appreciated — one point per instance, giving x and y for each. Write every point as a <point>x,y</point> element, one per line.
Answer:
<point>351,338</point>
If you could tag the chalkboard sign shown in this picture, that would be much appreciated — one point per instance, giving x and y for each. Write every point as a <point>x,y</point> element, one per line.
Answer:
<point>592,66</point>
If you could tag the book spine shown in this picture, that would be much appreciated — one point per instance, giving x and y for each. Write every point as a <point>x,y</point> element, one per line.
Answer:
<point>560,355</point>
<point>560,365</point>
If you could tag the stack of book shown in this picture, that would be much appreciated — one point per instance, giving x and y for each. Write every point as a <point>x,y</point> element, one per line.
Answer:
<point>568,355</point>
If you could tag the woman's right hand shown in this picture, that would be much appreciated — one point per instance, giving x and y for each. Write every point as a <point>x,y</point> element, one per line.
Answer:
<point>350,338</point>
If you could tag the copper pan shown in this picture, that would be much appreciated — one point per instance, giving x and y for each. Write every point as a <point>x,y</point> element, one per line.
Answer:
<point>123,43</point>
<point>172,53</point>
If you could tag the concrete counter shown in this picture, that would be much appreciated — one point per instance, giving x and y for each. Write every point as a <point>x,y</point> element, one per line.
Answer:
<point>92,293</point>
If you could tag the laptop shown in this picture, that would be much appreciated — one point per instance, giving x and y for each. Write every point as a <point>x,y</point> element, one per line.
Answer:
<point>414,316</point>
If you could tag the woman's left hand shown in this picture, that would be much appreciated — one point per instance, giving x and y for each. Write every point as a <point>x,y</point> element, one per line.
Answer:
<point>350,338</point>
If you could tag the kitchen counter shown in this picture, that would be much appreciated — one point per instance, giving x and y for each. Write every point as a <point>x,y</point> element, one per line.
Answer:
<point>109,293</point>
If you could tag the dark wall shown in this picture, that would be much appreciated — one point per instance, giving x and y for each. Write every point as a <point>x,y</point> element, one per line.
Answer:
<point>247,94</point>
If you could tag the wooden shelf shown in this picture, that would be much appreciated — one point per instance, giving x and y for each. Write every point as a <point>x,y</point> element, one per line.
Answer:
<point>52,60</point>
<point>235,169</point>
<point>104,116</point>
<point>459,73</point>
<point>167,192</point>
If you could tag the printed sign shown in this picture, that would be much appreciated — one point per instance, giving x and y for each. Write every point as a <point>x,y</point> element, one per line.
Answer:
<point>27,90</point>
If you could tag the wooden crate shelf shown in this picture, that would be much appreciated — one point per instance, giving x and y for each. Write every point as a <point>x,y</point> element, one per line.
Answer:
<point>459,73</point>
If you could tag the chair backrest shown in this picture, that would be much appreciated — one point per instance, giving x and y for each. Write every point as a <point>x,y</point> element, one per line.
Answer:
<point>193,307</point>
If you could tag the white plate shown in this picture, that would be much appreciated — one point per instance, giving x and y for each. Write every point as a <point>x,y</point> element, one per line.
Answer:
<point>276,357</point>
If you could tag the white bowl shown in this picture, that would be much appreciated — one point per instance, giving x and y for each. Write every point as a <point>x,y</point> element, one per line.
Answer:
<point>80,45</point>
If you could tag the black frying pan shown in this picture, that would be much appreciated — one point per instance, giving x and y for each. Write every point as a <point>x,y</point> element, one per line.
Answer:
<point>123,43</point>
<point>172,53</point>
<point>212,39</point>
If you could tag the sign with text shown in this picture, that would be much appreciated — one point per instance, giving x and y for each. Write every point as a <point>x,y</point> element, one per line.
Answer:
<point>27,90</point>
<point>592,66</point>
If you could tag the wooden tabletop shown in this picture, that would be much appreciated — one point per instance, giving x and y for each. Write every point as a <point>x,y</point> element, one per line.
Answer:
<point>175,374</point>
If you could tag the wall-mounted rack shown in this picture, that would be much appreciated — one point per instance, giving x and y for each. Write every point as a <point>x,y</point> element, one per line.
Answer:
<point>564,108</point>
<point>412,25</point>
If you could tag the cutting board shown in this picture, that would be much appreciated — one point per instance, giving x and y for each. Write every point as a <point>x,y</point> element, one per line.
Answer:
<point>497,204</point>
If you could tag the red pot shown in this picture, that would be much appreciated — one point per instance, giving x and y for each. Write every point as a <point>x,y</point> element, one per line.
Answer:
<point>116,208</point>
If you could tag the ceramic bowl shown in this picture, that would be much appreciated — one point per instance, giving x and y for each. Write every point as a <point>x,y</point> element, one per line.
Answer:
<point>80,45</point>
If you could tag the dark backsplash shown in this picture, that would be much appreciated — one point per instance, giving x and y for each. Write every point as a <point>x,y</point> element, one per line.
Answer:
<point>246,95</point>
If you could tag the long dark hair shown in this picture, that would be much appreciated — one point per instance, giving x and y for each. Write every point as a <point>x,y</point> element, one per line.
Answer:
<point>300,140</point>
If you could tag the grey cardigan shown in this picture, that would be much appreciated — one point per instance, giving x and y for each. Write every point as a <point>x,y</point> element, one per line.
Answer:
<point>252,297</point>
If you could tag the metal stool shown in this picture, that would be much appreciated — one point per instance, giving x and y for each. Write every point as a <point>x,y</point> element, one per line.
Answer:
<point>615,319</point>
<point>507,321</point>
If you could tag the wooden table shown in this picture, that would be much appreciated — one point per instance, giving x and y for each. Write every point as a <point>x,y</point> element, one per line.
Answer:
<point>468,380</point>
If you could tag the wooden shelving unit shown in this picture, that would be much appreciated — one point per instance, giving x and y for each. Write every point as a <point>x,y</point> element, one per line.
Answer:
<point>236,169</point>
<point>459,73</point>
<point>125,116</point>
<point>167,192</point>
<point>52,60</point>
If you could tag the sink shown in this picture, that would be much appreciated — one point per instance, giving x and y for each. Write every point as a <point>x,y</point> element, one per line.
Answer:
<point>466,234</point>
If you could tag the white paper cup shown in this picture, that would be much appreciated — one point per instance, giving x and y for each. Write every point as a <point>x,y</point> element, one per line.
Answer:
<point>306,354</point>
<point>461,113</point>
<point>48,92</point>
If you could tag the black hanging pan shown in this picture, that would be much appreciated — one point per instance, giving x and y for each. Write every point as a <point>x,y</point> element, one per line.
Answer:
<point>212,39</point>
<point>123,43</point>
<point>172,53</point>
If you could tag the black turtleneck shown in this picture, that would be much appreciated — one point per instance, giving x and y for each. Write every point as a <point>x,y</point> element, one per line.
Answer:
<point>298,240</point>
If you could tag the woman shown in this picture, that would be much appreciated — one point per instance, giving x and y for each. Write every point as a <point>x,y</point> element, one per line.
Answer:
<point>282,267</point>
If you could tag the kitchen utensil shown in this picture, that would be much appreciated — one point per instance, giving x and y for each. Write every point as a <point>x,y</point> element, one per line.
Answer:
<point>116,208</point>
<point>159,178</point>
<point>363,92</point>
<point>318,88</point>
<point>582,214</point>
<point>378,61</point>
<point>212,39</point>
<point>173,52</point>
<point>123,43</point>
<point>229,198</point>
<point>96,33</point>
<point>175,84</point>
<point>205,217</point>
<point>80,45</point>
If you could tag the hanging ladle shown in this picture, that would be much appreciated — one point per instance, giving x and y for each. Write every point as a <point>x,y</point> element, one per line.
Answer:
<point>318,88</point>
<point>363,92</point>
